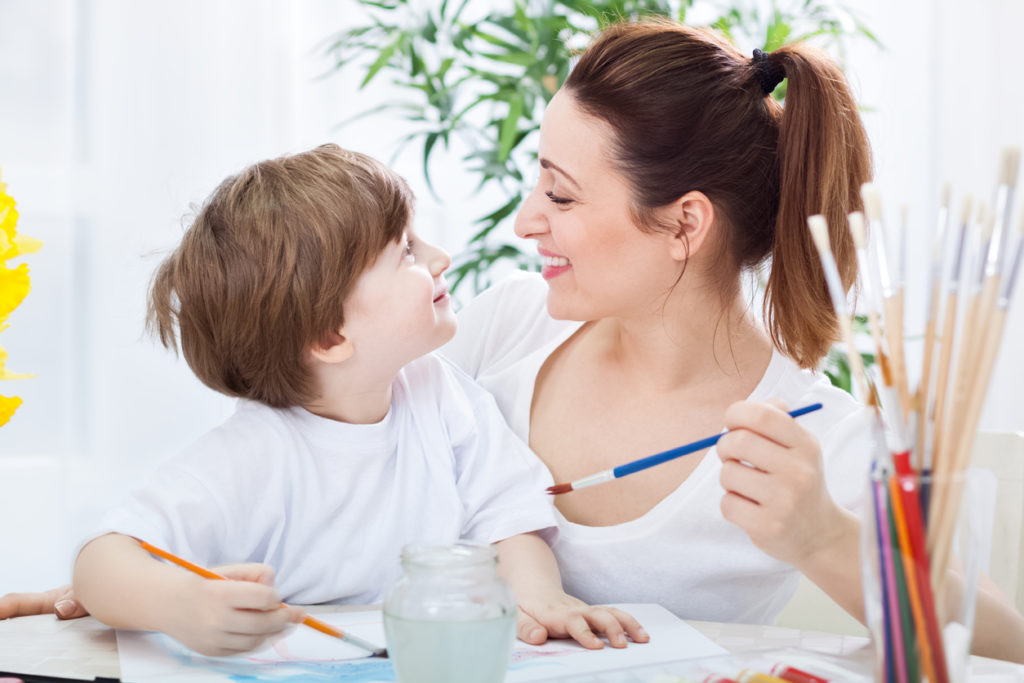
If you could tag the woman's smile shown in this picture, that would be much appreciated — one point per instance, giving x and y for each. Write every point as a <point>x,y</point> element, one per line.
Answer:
<point>553,265</point>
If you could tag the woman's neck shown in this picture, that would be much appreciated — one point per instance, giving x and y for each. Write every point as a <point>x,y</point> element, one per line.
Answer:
<point>687,343</point>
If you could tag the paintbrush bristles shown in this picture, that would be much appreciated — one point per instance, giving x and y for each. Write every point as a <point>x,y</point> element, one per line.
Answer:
<point>1009,165</point>
<point>965,211</point>
<point>986,223</point>
<point>819,231</point>
<point>872,201</point>
<point>857,231</point>
<point>559,489</point>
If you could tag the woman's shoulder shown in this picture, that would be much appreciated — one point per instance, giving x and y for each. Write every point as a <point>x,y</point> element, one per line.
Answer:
<point>844,428</point>
<point>799,387</point>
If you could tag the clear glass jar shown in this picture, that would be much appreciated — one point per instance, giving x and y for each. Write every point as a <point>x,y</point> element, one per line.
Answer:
<point>450,618</point>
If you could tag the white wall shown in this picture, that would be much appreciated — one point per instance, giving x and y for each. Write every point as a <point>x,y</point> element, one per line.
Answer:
<point>116,115</point>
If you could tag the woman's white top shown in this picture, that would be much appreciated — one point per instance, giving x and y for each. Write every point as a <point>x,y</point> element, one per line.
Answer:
<point>682,553</point>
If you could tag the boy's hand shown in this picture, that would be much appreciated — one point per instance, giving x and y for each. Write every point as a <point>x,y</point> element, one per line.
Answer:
<point>563,616</point>
<point>222,618</point>
<point>60,601</point>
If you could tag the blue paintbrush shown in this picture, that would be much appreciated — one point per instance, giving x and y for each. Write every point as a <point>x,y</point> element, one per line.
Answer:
<point>656,459</point>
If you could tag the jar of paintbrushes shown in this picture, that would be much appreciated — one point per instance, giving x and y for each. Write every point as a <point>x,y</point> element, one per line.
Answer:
<point>450,618</point>
<point>923,542</point>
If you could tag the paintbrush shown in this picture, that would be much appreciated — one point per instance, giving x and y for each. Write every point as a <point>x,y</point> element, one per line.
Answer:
<point>924,385</point>
<point>819,232</point>
<point>312,622</point>
<point>892,314</point>
<point>656,459</point>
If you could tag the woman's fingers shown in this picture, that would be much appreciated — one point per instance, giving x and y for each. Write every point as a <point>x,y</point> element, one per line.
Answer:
<point>770,420</point>
<point>56,600</point>
<point>746,481</point>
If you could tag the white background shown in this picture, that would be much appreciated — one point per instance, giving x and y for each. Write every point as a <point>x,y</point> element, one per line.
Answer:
<point>116,115</point>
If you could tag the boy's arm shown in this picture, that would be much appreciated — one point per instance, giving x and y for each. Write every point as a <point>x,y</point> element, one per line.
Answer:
<point>123,586</point>
<point>528,564</point>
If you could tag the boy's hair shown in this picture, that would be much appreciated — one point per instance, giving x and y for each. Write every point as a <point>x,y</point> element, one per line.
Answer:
<point>261,273</point>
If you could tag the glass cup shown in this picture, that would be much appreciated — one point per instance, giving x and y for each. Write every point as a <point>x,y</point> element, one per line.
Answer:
<point>450,618</point>
<point>921,617</point>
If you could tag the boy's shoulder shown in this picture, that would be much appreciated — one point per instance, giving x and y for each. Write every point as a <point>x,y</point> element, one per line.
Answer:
<point>252,429</point>
<point>436,379</point>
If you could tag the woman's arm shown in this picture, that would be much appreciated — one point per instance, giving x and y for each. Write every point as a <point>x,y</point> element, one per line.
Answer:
<point>775,491</point>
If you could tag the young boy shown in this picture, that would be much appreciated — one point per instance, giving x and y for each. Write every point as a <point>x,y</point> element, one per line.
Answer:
<point>301,289</point>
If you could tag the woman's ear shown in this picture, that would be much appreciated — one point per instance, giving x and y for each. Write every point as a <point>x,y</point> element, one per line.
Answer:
<point>692,214</point>
<point>333,348</point>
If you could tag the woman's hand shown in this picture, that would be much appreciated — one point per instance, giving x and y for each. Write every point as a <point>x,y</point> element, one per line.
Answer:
<point>60,601</point>
<point>775,484</point>
<point>563,616</point>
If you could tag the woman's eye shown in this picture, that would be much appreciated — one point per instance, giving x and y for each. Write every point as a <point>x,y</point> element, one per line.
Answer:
<point>408,249</point>
<point>556,199</point>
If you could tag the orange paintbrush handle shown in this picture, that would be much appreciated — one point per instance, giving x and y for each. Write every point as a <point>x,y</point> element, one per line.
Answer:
<point>205,573</point>
<point>312,622</point>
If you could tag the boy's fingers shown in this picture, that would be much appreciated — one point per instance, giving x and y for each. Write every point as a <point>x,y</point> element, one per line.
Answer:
<point>633,628</point>
<point>529,630</point>
<point>603,621</point>
<point>235,643</point>
<point>579,630</point>
<point>245,595</point>
<point>252,571</point>
<point>258,623</point>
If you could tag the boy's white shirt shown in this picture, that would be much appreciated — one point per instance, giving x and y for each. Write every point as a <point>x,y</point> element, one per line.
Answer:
<point>329,505</point>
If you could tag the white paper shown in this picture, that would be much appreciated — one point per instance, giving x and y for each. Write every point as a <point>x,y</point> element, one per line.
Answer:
<point>307,655</point>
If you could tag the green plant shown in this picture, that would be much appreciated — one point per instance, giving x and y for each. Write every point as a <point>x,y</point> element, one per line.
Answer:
<point>487,78</point>
<point>484,80</point>
<point>836,366</point>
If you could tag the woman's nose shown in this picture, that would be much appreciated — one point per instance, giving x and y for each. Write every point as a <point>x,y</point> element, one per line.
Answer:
<point>530,221</point>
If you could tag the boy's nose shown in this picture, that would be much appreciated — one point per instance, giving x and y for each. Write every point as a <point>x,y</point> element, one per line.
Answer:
<point>439,260</point>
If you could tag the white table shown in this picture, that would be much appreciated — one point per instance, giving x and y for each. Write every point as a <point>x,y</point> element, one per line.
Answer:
<point>85,648</point>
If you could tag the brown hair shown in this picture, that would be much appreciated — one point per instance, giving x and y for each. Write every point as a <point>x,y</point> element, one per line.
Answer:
<point>261,273</point>
<point>689,112</point>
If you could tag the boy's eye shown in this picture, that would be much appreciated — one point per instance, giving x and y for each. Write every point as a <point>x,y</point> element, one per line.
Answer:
<point>556,199</point>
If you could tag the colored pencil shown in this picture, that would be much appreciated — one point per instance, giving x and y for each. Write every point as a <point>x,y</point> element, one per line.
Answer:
<point>312,622</point>
<point>656,459</point>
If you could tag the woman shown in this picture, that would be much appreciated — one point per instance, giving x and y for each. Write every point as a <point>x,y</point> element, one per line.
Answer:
<point>667,174</point>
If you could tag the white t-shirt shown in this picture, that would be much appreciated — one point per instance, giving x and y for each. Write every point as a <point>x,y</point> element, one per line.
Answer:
<point>329,505</point>
<point>682,553</point>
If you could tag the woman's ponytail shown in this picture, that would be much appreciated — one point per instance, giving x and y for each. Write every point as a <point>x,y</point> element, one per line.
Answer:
<point>824,158</point>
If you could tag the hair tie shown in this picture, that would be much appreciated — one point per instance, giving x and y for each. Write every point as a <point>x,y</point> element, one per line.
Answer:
<point>767,72</point>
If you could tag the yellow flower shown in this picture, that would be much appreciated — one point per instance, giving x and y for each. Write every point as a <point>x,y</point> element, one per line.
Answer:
<point>7,408</point>
<point>14,286</point>
<point>7,374</point>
